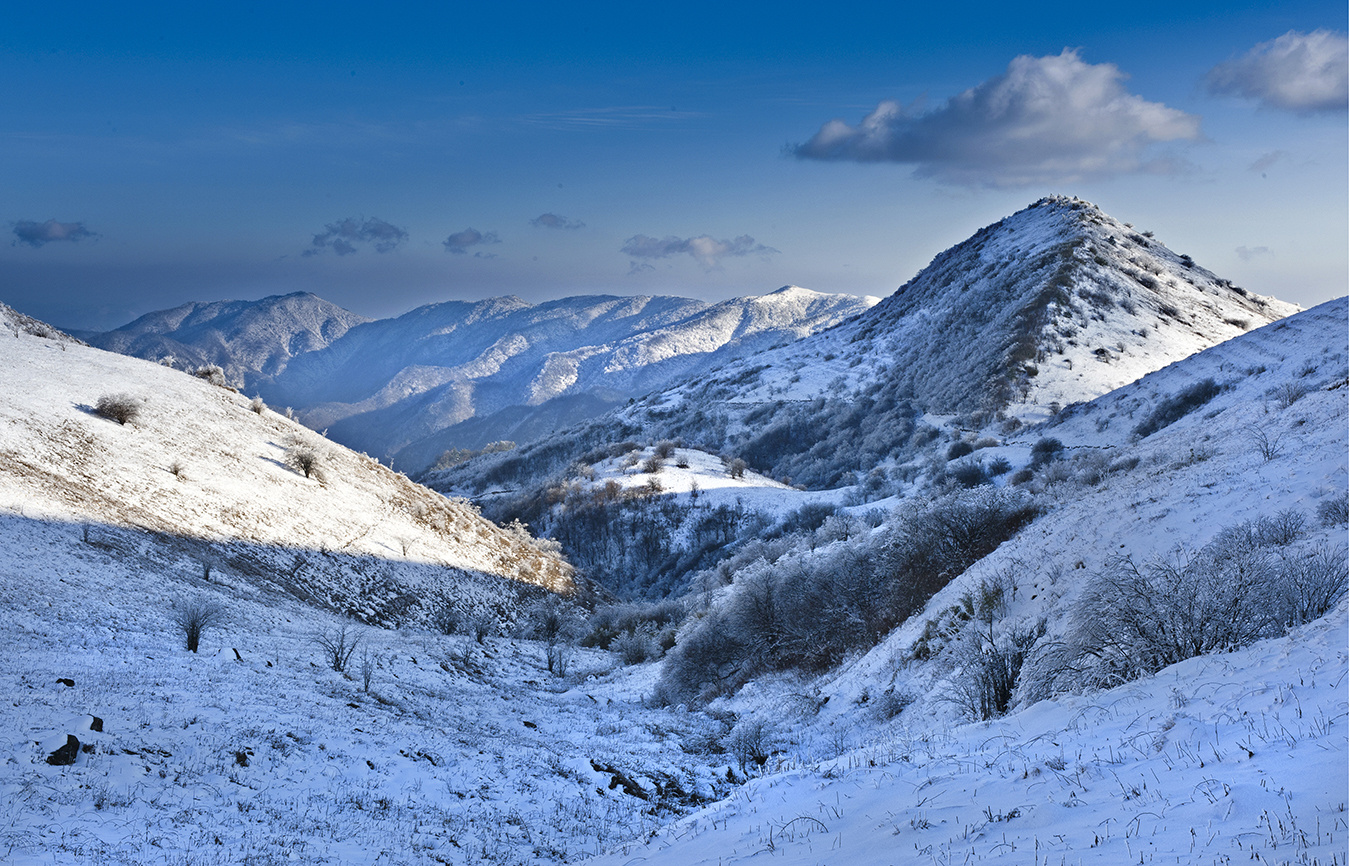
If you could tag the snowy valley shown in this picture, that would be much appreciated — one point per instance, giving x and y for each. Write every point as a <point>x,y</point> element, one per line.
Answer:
<point>1041,559</point>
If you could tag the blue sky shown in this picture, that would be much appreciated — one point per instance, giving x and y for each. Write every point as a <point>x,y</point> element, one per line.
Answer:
<point>393,156</point>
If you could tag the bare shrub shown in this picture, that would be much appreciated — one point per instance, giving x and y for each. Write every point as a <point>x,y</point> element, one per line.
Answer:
<point>211,373</point>
<point>482,625</point>
<point>1266,446</point>
<point>1174,408</point>
<point>984,685</point>
<point>1334,511</point>
<point>664,449</point>
<point>257,406</point>
<point>635,647</point>
<point>447,619</point>
<point>1133,620</point>
<point>1289,393</point>
<point>194,617</point>
<point>1312,584</point>
<point>122,408</point>
<point>751,743</point>
<point>736,468</point>
<point>337,645</point>
<point>305,460</point>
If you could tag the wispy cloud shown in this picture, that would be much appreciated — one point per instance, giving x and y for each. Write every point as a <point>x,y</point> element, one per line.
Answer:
<point>1046,119</point>
<point>622,117</point>
<point>1249,253</point>
<point>1267,161</point>
<point>553,221</point>
<point>460,243</point>
<point>1305,73</point>
<point>36,234</point>
<point>705,249</point>
<point>349,235</point>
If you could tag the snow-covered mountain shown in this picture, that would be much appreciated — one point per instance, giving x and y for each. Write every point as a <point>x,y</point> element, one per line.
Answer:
<point>200,474</point>
<point>250,341</point>
<point>463,374</point>
<point>1056,304</point>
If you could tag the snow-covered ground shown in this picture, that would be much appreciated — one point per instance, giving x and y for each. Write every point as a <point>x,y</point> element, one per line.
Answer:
<point>439,749</point>
<point>1227,759</point>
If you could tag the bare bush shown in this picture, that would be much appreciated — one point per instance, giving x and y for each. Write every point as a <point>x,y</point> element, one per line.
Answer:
<point>257,405</point>
<point>1134,619</point>
<point>211,373</point>
<point>337,645</point>
<point>305,459</point>
<point>122,408</point>
<point>1180,404</point>
<point>635,647</point>
<point>1334,511</point>
<point>194,617</point>
<point>1312,584</point>
<point>751,742</point>
<point>1265,445</point>
<point>983,687</point>
<point>369,662</point>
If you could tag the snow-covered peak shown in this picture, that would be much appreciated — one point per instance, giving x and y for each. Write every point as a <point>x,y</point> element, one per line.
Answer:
<point>1055,304</point>
<point>249,340</point>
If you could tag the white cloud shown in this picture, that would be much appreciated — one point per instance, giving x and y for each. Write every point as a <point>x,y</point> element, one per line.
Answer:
<point>1249,253</point>
<point>35,234</point>
<point>1300,72</point>
<point>705,249</point>
<point>1046,119</point>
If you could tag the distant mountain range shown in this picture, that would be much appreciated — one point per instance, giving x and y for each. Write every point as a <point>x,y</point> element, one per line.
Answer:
<point>463,374</point>
<point>1054,305</point>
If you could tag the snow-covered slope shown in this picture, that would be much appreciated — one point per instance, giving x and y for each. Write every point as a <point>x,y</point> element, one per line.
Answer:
<point>249,340</point>
<point>203,474</point>
<point>1224,757</point>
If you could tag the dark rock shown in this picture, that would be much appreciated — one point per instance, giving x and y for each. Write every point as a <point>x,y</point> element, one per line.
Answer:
<point>96,724</point>
<point>65,756</point>
<point>66,681</point>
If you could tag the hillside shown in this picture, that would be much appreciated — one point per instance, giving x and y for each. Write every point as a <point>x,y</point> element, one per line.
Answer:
<point>1239,753</point>
<point>203,475</point>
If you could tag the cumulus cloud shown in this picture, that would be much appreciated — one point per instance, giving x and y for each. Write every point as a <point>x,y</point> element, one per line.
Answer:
<point>553,221</point>
<point>705,249</point>
<point>347,236</point>
<point>1046,119</point>
<point>1304,73</point>
<point>460,243</point>
<point>35,234</point>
